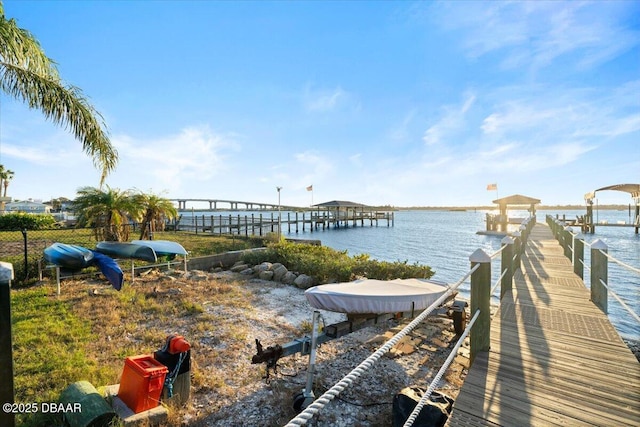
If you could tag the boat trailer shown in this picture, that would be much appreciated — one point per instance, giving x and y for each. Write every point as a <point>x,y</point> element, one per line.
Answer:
<point>454,309</point>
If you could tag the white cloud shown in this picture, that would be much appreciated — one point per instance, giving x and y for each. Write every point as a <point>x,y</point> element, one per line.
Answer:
<point>327,100</point>
<point>194,154</point>
<point>452,120</point>
<point>535,34</point>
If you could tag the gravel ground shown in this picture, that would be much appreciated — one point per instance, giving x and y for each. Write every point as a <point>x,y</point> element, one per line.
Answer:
<point>281,309</point>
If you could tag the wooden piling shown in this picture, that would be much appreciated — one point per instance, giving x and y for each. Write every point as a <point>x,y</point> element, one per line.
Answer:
<point>578,257</point>
<point>599,271</point>
<point>506,263</point>
<point>480,299</point>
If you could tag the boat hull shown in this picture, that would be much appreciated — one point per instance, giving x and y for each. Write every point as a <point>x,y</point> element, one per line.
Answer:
<point>71,257</point>
<point>127,250</point>
<point>109,268</point>
<point>163,247</point>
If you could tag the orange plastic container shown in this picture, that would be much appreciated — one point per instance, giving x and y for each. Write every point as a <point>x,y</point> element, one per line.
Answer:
<point>142,382</point>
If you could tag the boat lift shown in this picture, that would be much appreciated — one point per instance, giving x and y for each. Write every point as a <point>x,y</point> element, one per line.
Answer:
<point>454,309</point>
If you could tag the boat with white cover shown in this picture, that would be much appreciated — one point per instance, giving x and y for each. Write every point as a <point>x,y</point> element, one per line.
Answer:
<point>376,296</point>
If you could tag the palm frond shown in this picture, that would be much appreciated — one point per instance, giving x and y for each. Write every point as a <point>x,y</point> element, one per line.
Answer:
<point>27,74</point>
<point>64,106</point>
<point>21,48</point>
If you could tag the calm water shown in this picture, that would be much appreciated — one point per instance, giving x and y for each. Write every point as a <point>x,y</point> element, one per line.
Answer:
<point>444,240</point>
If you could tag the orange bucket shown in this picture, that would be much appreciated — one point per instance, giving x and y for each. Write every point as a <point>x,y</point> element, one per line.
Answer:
<point>142,382</point>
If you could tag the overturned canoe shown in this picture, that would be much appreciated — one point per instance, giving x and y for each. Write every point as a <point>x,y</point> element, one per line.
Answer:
<point>109,268</point>
<point>163,247</point>
<point>376,296</point>
<point>127,250</point>
<point>71,257</point>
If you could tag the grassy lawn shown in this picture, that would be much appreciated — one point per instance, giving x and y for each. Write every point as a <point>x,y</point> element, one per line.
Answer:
<point>87,331</point>
<point>85,335</point>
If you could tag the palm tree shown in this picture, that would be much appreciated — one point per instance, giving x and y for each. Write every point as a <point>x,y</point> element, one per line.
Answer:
<point>5,177</point>
<point>155,210</point>
<point>28,75</point>
<point>108,211</point>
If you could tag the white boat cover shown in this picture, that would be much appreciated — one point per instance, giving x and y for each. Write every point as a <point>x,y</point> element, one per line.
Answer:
<point>376,296</point>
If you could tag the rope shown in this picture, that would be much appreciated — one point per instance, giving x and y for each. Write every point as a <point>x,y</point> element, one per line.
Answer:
<point>496,253</point>
<point>631,312</point>
<point>634,269</point>
<point>436,379</point>
<point>347,380</point>
<point>498,281</point>
<point>171,378</point>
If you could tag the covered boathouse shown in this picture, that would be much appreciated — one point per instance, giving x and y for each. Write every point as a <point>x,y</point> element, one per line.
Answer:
<point>587,223</point>
<point>339,213</point>
<point>497,223</point>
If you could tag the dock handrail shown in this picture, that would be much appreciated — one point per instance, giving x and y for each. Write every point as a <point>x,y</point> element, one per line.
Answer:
<point>478,327</point>
<point>599,264</point>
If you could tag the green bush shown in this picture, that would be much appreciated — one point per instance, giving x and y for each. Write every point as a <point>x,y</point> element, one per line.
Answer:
<point>25,221</point>
<point>328,265</point>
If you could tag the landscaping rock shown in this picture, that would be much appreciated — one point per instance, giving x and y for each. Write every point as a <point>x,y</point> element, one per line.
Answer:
<point>303,281</point>
<point>247,271</point>
<point>279,272</point>
<point>266,275</point>
<point>239,267</point>
<point>289,278</point>
<point>265,266</point>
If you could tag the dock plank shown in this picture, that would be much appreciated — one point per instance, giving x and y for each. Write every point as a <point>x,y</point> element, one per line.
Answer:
<point>554,358</point>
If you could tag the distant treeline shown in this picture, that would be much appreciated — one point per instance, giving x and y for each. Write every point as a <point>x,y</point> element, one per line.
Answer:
<point>480,208</point>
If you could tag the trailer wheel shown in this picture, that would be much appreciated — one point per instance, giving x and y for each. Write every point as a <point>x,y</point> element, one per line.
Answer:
<point>300,401</point>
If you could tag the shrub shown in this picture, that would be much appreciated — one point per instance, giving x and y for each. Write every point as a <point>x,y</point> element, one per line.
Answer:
<point>329,265</point>
<point>25,221</point>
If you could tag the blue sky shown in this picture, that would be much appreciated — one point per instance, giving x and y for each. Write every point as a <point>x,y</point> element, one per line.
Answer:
<point>400,103</point>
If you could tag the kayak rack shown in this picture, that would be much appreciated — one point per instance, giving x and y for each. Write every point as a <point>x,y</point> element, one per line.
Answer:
<point>59,276</point>
<point>454,309</point>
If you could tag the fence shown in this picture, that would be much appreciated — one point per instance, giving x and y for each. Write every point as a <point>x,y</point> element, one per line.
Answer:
<point>24,248</point>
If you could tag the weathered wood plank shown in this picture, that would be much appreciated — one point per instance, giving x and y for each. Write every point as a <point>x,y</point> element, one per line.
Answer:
<point>555,358</point>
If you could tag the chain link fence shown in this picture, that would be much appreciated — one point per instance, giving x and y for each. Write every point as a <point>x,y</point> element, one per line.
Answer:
<point>24,248</point>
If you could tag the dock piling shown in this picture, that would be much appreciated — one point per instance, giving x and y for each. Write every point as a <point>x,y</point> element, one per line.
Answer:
<point>599,271</point>
<point>506,262</point>
<point>480,300</point>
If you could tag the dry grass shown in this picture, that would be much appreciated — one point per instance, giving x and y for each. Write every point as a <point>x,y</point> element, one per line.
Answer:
<point>220,315</point>
<point>216,315</point>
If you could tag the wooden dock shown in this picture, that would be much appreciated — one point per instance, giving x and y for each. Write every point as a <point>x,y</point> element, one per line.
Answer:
<point>555,358</point>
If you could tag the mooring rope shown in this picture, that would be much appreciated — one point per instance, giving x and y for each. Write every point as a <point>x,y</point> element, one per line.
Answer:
<point>498,281</point>
<point>617,261</point>
<point>347,380</point>
<point>436,379</point>
<point>631,312</point>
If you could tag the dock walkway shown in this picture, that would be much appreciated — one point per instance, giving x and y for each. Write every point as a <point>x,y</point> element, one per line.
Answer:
<point>555,358</point>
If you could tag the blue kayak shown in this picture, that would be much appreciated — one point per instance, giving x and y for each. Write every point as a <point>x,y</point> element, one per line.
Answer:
<point>71,257</point>
<point>163,247</point>
<point>110,269</point>
<point>127,250</point>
